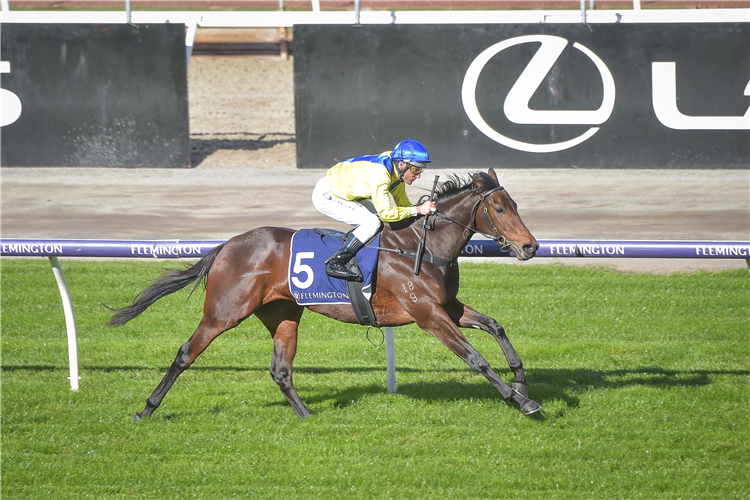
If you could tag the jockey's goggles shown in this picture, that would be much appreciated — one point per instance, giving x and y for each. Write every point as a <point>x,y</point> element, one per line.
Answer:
<point>415,169</point>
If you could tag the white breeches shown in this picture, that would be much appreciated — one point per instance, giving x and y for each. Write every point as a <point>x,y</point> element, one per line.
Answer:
<point>360,214</point>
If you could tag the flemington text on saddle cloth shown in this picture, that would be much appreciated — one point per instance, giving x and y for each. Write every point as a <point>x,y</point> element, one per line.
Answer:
<point>308,281</point>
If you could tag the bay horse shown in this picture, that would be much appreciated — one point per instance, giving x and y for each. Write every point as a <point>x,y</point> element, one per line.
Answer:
<point>249,275</point>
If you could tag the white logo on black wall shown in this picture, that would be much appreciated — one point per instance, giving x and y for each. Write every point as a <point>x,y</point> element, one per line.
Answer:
<point>517,110</point>
<point>10,104</point>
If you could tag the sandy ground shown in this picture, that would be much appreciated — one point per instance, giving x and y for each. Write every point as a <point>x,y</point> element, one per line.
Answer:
<point>244,175</point>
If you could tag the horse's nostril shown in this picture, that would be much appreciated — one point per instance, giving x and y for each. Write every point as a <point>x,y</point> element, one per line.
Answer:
<point>530,248</point>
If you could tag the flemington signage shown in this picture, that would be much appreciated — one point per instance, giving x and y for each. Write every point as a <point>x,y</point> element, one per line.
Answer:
<point>475,248</point>
<point>549,95</point>
<point>722,251</point>
<point>164,249</point>
<point>31,248</point>
<point>623,249</point>
<point>697,250</point>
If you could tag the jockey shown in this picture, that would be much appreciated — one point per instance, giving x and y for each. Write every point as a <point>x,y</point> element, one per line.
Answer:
<point>356,192</point>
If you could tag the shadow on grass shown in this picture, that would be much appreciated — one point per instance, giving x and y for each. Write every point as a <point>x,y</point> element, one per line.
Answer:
<point>544,384</point>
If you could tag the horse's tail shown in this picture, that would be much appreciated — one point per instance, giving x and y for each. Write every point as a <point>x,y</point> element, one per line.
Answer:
<point>172,281</point>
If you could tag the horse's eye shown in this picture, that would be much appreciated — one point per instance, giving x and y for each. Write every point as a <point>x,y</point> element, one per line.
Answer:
<point>500,210</point>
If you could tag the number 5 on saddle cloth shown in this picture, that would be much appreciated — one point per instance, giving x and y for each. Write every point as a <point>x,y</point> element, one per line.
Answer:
<point>309,283</point>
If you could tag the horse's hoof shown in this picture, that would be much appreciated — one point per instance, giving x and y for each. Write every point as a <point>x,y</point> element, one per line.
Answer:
<point>521,388</point>
<point>137,417</point>
<point>530,407</point>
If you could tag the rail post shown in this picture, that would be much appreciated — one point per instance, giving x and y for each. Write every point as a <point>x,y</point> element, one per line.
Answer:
<point>390,359</point>
<point>70,322</point>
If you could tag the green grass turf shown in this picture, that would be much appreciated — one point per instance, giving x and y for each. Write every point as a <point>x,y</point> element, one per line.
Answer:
<point>643,378</point>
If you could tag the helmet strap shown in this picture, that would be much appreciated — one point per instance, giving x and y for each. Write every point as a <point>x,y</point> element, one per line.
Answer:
<point>400,171</point>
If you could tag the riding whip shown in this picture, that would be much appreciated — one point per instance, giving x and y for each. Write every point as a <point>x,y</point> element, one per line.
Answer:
<point>420,248</point>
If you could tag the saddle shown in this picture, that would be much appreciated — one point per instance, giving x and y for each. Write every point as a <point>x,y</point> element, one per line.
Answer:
<point>358,294</point>
<point>310,285</point>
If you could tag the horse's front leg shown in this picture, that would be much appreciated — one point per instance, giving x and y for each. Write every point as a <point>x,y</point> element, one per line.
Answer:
<point>439,324</point>
<point>466,317</point>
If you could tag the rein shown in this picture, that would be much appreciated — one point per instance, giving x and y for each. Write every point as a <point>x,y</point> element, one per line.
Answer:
<point>499,238</point>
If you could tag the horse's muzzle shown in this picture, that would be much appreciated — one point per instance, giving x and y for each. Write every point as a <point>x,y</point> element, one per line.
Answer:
<point>528,251</point>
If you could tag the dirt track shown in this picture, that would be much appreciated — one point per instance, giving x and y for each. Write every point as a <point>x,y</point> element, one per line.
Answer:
<point>244,176</point>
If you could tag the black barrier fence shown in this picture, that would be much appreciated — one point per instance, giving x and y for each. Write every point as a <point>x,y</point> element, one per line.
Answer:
<point>95,95</point>
<point>524,96</point>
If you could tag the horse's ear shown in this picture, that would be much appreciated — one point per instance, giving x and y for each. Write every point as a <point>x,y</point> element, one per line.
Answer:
<point>493,174</point>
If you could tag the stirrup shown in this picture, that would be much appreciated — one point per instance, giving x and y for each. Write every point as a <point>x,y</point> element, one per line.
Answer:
<point>342,272</point>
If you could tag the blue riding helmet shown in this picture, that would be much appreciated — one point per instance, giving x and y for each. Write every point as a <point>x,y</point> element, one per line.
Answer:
<point>411,152</point>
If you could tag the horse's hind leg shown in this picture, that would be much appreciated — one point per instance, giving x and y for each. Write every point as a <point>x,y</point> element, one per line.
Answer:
<point>190,350</point>
<point>466,317</point>
<point>282,320</point>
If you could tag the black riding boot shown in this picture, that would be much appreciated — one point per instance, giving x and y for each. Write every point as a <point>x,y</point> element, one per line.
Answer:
<point>336,264</point>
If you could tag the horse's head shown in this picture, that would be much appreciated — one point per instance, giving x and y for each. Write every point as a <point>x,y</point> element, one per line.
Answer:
<point>502,221</point>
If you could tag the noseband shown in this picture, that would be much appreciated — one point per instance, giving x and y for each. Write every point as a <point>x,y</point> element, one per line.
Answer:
<point>499,238</point>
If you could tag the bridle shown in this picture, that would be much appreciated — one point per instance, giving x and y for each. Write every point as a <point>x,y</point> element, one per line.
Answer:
<point>499,238</point>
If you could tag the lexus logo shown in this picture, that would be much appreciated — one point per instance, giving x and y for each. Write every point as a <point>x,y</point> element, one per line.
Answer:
<point>516,105</point>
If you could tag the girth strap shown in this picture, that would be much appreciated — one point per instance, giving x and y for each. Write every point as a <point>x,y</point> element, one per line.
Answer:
<point>362,307</point>
<point>359,297</point>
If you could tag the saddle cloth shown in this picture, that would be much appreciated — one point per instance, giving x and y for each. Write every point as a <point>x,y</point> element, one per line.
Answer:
<point>308,281</point>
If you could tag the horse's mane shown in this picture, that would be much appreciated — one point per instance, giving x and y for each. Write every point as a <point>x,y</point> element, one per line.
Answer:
<point>456,184</point>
